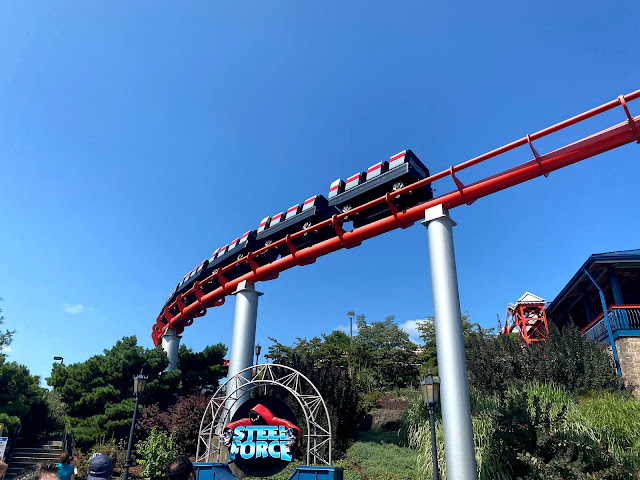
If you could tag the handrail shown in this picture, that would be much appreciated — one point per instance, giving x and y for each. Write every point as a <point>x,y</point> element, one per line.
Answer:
<point>68,441</point>
<point>592,323</point>
<point>616,136</point>
<point>610,308</point>
<point>12,444</point>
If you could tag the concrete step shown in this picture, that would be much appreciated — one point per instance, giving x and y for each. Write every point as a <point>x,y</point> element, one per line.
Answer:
<point>35,458</point>
<point>37,451</point>
<point>47,444</point>
<point>12,472</point>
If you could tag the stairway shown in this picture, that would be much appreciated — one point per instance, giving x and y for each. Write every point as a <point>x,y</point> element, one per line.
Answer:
<point>40,452</point>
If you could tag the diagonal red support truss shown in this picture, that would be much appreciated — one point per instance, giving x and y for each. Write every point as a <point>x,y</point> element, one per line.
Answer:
<point>613,137</point>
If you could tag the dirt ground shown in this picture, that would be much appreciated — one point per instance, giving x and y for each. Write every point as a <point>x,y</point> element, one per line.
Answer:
<point>389,413</point>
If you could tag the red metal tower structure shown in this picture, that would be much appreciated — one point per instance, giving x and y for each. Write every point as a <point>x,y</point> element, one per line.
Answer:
<point>528,318</point>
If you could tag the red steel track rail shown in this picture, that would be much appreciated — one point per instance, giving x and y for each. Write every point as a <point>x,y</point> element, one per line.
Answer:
<point>613,137</point>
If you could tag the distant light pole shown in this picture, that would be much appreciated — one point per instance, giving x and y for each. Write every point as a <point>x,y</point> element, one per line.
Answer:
<point>257,349</point>
<point>59,359</point>
<point>350,315</point>
<point>139,382</point>
<point>431,394</point>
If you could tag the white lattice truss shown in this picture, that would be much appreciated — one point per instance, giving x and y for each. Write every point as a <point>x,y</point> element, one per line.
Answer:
<point>316,415</point>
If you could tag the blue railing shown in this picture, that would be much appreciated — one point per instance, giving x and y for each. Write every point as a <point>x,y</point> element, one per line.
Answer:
<point>625,321</point>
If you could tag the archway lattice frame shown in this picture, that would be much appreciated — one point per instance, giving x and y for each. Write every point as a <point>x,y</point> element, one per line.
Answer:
<point>232,392</point>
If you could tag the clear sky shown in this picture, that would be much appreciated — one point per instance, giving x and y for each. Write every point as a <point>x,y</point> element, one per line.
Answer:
<point>137,137</point>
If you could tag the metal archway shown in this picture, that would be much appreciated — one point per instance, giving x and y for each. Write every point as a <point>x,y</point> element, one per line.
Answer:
<point>316,414</point>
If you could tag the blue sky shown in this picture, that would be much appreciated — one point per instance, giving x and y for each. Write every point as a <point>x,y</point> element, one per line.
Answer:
<point>137,137</point>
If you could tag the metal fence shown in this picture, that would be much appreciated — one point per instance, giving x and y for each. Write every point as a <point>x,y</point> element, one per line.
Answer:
<point>621,318</point>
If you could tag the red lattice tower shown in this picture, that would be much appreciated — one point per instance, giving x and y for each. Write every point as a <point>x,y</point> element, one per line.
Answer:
<point>528,316</point>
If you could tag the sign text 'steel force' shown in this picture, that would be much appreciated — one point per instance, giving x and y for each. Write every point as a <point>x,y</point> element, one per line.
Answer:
<point>261,442</point>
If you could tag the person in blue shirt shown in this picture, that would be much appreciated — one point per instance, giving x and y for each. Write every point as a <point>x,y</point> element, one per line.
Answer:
<point>65,470</point>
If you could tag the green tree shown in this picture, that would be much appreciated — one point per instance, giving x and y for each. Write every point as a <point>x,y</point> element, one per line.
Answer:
<point>470,331</point>
<point>5,337</point>
<point>303,348</point>
<point>335,348</point>
<point>383,351</point>
<point>201,371</point>
<point>21,398</point>
<point>98,392</point>
<point>382,354</point>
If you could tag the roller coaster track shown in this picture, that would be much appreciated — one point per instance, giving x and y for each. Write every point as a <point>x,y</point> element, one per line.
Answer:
<point>608,139</point>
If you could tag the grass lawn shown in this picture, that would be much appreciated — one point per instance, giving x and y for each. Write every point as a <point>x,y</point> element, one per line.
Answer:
<point>377,455</point>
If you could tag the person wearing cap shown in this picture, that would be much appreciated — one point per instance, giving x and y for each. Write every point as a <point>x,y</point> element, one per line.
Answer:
<point>100,467</point>
<point>181,468</point>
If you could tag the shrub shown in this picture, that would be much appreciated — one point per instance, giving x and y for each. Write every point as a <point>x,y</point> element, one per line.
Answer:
<point>612,420</point>
<point>155,453</point>
<point>117,451</point>
<point>539,440</point>
<point>152,416</point>
<point>369,401</point>
<point>340,393</point>
<point>185,418</point>
<point>539,432</point>
<point>567,359</point>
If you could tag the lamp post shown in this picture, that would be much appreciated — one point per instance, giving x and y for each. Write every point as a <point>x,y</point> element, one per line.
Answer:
<point>431,395</point>
<point>59,359</point>
<point>257,349</point>
<point>350,315</point>
<point>139,382</point>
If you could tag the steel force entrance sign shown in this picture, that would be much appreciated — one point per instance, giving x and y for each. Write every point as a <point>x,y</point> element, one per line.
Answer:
<point>263,433</point>
<point>262,436</point>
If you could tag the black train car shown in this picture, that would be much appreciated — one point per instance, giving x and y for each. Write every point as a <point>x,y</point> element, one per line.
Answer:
<point>299,217</point>
<point>401,170</point>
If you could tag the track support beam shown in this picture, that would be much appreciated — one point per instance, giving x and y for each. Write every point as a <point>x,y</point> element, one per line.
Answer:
<point>243,339</point>
<point>171,344</point>
<point>456,411</point>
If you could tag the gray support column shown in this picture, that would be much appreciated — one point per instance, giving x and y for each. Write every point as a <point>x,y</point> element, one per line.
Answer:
<point>452,369</point>
<point>170,344</point>
<point>243,338</point>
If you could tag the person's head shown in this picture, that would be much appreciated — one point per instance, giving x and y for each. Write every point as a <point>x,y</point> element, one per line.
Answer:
<point>39,471</point>
<point>181,468</point>
<point>64,458</point>
<point>100,467</point>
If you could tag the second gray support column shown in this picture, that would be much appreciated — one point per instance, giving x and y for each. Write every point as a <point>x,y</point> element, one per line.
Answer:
<point>243,338</point>
<point>456,411</point>
<point>171,344</point>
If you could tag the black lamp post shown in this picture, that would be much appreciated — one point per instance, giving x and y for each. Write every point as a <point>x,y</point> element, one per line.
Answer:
<point>59,359</point>
<point>257,349</point>
<point>139,382</point>
<point>431,394</point>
